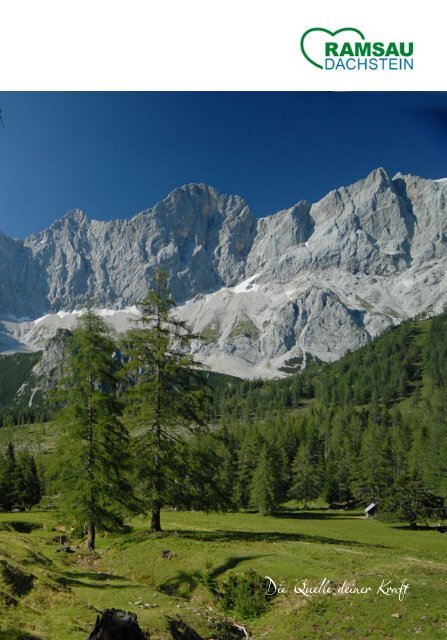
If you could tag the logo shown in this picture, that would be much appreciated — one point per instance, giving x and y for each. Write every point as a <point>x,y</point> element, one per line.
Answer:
<point>347,49</point>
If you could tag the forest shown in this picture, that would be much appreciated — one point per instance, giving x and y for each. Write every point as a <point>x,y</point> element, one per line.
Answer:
<point>140,428</point>
<point>351,432</point>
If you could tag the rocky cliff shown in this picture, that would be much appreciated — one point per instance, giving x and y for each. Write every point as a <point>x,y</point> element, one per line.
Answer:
<point>316,278</point>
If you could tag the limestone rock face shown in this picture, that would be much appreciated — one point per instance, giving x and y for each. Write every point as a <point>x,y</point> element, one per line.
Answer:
<point>318,279</point>
<point>200,237</point>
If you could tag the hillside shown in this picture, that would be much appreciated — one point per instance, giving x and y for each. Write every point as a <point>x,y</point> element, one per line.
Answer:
<point>357,423</point>
<point>335,436</point>
<point>17,383</point>
<point>360,421</point>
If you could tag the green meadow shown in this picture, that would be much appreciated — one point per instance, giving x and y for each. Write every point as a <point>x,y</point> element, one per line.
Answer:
<point>388,397</point>
<point>46,594</point>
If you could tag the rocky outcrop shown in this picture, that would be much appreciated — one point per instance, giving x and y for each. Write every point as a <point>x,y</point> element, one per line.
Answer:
<point>200,237</point>
<point>316,279</point>
<point>115,624</point>
<point>377,226</point>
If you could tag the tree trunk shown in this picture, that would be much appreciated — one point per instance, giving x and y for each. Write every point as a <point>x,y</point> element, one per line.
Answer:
<point>91,537</point>
<point>91,531</point>
<point>155,518</point>
<point>156,505</point>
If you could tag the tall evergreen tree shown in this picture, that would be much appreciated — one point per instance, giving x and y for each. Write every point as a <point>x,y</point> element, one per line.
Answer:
<point>264,484</point>
<point>8,479</point>
<point>306,478</point>
<point>166,398</point>
<point>93,458</point>
<point>374,465</point>
<point>226,477</point>
<point>205,478</point>
<point>331,485</point>
<point>247,459</point>
<point>410,501</point>
<point>28,483</point>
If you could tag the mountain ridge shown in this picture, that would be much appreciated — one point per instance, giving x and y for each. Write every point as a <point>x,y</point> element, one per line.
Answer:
<point>319,278</point>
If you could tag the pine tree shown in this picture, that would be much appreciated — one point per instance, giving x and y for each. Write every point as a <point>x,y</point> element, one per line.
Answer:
<point>374,465</point>
<point>28,489</point>
<point>410,501</point>
<point>344,465</point>
<point>166,398</point>
<point>93,458</point>
<point>264,484</point>
<point>207,473</point>
<point>226,476</point>
<point>306,477</point>
<point>8,479</point>
<point>247,459</point>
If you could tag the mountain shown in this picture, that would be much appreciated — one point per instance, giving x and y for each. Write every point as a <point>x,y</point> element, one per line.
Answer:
<point>319,279</point>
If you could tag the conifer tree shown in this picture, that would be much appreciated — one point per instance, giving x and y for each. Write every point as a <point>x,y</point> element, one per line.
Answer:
<point>409,500</point>
<point>93,457</point>
<point>264,484</point>
<point>28,489</point>
<point>331,488</point>
<point>8,479</point>
<point>374,465</point>
<point>205,473</point>
<point>306,477</point>
<point>166,398</point>
<point>247,460</point>
<point>226,477</point>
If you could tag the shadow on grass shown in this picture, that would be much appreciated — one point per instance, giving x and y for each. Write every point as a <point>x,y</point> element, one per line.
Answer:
<point>36,557</point>
<point>185,582</point>
<point>420,527</point>
<point>91,579</point>
<point>19,582</point>
<point>15,634</point>
<point>142,536</point>
<point>231,563</point>
<point>19,526</point>
<point>182,585</point>
<point>318,515</point>
<point>271,536</point>
<point>179,630</point>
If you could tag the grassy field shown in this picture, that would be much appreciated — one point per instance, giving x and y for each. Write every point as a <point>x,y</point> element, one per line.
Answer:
<point>46,594</point>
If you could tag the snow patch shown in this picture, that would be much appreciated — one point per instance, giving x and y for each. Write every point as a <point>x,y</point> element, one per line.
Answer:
<point>111,313</point>
<point>41,319</point>
<point>104,313</point>
<point>33,393</point>
<point>247,285</point>
<point>64,314</point>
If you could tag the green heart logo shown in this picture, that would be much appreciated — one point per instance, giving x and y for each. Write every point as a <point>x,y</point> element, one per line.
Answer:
<point>330,33</point>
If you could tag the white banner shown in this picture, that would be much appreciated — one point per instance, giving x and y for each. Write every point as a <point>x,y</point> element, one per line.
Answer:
<point>225,46</point>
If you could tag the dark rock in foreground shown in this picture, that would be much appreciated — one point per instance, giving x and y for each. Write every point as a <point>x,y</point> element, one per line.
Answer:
<point>115,624</point>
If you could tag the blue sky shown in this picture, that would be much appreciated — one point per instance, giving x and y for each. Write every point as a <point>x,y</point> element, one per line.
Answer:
<point>114,154</point>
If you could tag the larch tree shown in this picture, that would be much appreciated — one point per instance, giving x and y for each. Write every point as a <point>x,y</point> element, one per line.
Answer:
<point>306,476</point>
<point>93,457</point>
<point>29,490</point>
<point>8,479</point>
<point>409,500</point>
<point>264,489</point>
<point>166,398</point>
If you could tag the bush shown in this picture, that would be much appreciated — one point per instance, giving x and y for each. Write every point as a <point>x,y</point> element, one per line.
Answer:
<point>244,596</point>
<point>410,501</point>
